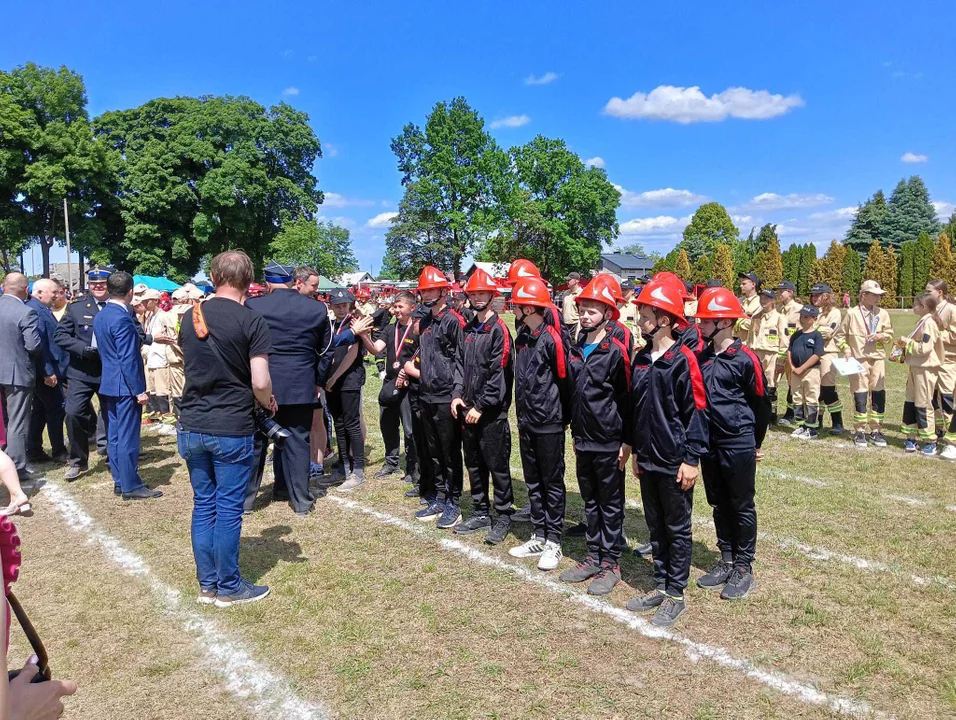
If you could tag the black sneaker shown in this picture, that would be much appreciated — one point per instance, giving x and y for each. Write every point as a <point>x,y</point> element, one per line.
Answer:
<point>522,515</point>
<point>74,471</point>
<point>578,530</point>
<point>668,612</point>
<point>739,585</point>
<point>584,570</point>
<point>605,580</point>
<point>837,430</point>
<point>647,603</point>
<point>473,524</point>
<point>451,515</point>
<point>387,472</point>
<point>860,439</point>
<point>716,576</point>
<point>500,530</point>
<point>247,593</point>
<point>876,437</point>
<point>431,512</point>
<point>644,550</point>
<point>412,491</point>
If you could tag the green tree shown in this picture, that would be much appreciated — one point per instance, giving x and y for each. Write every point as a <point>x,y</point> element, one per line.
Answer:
<point>873,267</point>
<point>941,266</point>
<point>709,227</point>
<point>769,262</point>
<point>852,272</point>
<point>324,246</point>
<point>702,271</point>
<point>922,261</point>
<point>723,268</point>
<point>767,234</point>
<point>560,213</point>
<point>907,263</point>
<point>866,224</point>
<point>949,227</point>
<point>829,268</point>
<point>201,175</point>
<point>807,260</point>
<point>458,175</point>
<point>909,212</point>
<point>682,266</point>
<point>891,274</point>
<point>790,259</point>
<point>667,262</point>
<point>47,153</point>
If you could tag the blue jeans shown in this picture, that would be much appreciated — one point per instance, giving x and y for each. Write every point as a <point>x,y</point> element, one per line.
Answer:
<point>219,469</point>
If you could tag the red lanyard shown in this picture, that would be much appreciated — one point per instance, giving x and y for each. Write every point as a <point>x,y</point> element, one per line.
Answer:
<point>399,343</point>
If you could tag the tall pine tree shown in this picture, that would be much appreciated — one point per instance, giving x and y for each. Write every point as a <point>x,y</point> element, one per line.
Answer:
<point>724,266</point>
<point>829,268</point>
<point>769,263</point>
<point>873,267</point>
<point>908,213</point>
<point>941,266</point>
<point>790,260</point>
<point>891,274</point>
<point>808,257</point>
<point>865,227</point>
<point>907,263</point>
<point>922,262</point>
<point>852,272</point>
<point>682,266</point>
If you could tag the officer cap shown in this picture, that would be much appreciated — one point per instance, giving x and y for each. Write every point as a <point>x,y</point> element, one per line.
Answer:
<point>278,273</point>
<point>786,285</point>
<point>714,282</point>
<point>627,285</point>
<point>820,288</point>
<point>749,276</point>
<point>98,274</point>
<point>810,311</point>
<point>769,293</point>
<point>341,295</point>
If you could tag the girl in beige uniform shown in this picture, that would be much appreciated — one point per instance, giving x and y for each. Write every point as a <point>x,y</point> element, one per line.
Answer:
<point>943,400</point>
<point>828,322</point>
<point>768,339</point>
<point>788,306</point>
<point>923,354</point>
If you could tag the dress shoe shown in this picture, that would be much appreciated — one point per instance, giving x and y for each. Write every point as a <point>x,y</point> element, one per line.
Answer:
<point>61,457</point>
<point>143,493</point>
<point>74,471</point>
<point>40,457</point>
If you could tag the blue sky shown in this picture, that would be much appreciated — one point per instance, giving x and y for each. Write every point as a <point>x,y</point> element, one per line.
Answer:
<point>788,113</point>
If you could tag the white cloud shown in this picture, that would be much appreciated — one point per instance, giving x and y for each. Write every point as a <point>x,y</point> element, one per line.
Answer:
<point>909,157</point>
<point>546,79</point>
<point>818,228</point>
<point>512,121</point>
<point>689,104</point>
<point>339,220</point>
<point>662,225</point>
<point>290,91</point>
<point>666,197</point>
<point>330,150</point>
<point>381,220</point>
<point>773,201</point>
<point>944,210</point>
<point>334,200</point>
<point>741,220</point>
<point>312,58</point>
<point>595,162</point>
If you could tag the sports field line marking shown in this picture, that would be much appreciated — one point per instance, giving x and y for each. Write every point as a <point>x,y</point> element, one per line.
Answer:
<point>693,650</point>
<point>262,688</point>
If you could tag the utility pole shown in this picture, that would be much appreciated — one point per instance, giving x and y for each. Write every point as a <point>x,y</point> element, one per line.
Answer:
<point>69,261</point>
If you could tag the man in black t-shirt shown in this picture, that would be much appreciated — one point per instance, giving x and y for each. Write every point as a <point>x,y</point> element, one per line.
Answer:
<point>226,349</point>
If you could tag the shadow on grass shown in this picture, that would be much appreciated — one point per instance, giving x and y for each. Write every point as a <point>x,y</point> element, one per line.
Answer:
<point>261,554</point>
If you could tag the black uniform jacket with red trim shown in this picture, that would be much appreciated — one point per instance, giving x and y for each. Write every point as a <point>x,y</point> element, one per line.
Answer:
<point>542,385</point>
<point>619,330</point>
<point>670,410</point>
<point>600,395</point>
<point>439,343</point>
<point>484,371</point>
<point>738,408</point>
<point>692,338</point>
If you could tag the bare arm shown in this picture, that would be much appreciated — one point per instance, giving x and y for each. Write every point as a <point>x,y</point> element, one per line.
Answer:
<point>261,380</point>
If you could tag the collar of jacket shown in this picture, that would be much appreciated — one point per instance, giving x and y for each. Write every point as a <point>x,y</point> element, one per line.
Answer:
<point>644,356</point>
<point>475,325</point>
<point>603,346</point>
<point>732,349</point>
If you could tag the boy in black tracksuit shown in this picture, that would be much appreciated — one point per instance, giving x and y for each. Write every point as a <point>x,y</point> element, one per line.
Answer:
<point>541,402</point>
<point>600,412</point>
<point>484,379</point>
<point>669,437</point>
<point>738,410</point>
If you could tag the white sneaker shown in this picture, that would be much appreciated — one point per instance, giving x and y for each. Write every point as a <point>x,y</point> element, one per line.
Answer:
<point>532,548</point>
<point>550,557</point>
<point>948,452</point>
<point>799,432</point>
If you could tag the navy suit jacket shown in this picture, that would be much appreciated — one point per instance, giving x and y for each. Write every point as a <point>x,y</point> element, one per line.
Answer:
<point>301,335</point>
<point>119,344</point>
<point>52,360</point>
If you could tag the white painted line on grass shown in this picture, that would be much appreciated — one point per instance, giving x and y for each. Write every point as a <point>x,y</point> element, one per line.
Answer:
<point>797,478</point>
<point>693,650</point>
<point>261,687</point>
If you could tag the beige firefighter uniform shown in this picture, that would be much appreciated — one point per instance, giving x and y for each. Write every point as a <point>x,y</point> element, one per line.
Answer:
<point>923,356</point>
<point>946,383</point>
<point>865,334</point>
<point>827,325</point>
<point>767,338</point>
<point>806,392</point>
<point>751,306</point>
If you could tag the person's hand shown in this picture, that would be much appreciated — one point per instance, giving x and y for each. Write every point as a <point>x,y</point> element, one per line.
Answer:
<point>142,398</point>
<point>759,454</point>
<point>37,701</point>
<point>90,353</point>
<point>409,368</point>
<point>330,383</point>
<point>623,454</point>
<point>634,466</point>
<point>455,404</point>
<point>687,476</point>
<point>473,417</point>
<point>273,405</point>
<point>847,354</point>
<point>363,325</point>
<point>164,339</point>
<point>50,381</point>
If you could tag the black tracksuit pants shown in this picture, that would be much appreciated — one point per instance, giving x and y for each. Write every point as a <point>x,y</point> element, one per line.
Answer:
<point>290,460</point>
<point>729,481</point>
<point>542,459</point>
<point>389,419</point>
<point>443,438</point>
<point>487,450</point>
<point>667,510</point>
<point>82,420</point>
<point>426,477</point>
<point>602,490</point>
<point>346,409</point>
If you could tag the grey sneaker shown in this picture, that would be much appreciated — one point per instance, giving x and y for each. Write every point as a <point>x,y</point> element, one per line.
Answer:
<point>644,550</point>
<point>876,437</point>
<point>668,612</point>
<point>352,482</point>
<point>605,580</point>
<point>584,570</point>
<point>500,531</point>
<point>473,524</point>
<point>430,512</point>
<point>451,515</point>
<point>248,593</point>
<point>716,576</point>
<point>646,603</point>
<point>860,439</point>
<point>739,585</point>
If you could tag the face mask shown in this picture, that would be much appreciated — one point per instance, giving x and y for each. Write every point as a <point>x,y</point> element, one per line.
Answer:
<point>480,307</point>
<point>710,337</point>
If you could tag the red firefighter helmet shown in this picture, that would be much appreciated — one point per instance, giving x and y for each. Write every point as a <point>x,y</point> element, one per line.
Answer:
<point>663,296</point>
<point>480,281</point>
<point>719,303</point>
<point>531,291</point>
<point>600,290</point>
<point>432,279</point>
<point>522,268</point>
<point>672,279</point>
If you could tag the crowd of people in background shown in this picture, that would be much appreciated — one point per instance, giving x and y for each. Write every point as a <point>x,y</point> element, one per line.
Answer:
<point>674,378</point>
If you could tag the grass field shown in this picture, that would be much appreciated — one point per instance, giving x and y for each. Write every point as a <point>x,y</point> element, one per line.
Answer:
<point>374,615</point>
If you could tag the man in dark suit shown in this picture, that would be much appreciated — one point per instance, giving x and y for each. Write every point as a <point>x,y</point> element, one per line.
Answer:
<point>51,372</point>
<point>298,364</point>
<point>20,340</point>
<point>122,386</point>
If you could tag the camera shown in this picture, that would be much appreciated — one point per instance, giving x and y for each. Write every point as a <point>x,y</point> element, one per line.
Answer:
<point>269,427</point>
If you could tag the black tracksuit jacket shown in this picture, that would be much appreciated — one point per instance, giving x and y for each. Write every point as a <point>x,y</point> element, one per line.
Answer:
<point>542,384</point>
<point>670,410</point>
<point>620,331</point>
<point>737,405</point>
<point>484,370</point>
<point>600,395</point>
<point>439,343</point>
<point>693,339</point>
